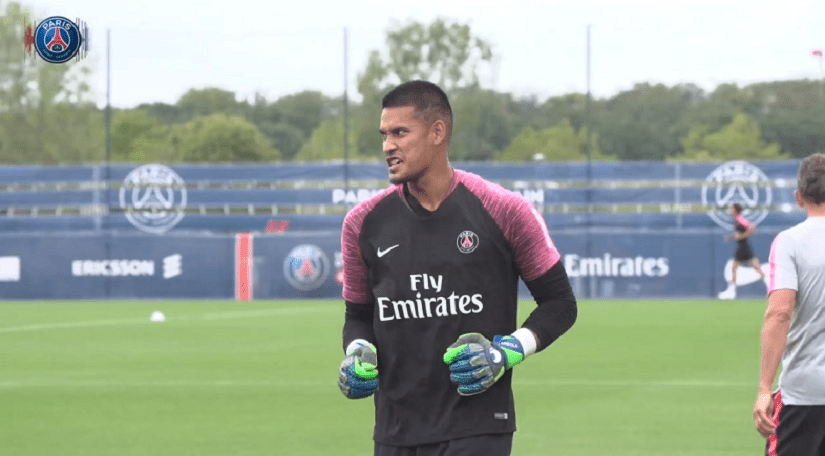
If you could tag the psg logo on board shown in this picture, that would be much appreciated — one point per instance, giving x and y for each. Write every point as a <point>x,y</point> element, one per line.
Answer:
<point>737,182</point>
<point>57,39</point>
<point>153,198</point>
<point>306,267</point>
<point>467,241</point>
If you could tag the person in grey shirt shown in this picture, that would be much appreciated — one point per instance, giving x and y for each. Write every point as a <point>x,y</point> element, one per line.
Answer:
<point>792,418</point>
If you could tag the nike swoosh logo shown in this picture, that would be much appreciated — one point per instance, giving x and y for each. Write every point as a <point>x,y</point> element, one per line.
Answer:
<point>384,252</point>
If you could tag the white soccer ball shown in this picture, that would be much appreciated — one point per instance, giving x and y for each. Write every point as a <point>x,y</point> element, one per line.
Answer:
<point>157,316</point>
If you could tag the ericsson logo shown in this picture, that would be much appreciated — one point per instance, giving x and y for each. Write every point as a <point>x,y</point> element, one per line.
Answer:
<point>736,182</point>
<point>154,198</point>
<point>172,266</point>
<point>306,267</point>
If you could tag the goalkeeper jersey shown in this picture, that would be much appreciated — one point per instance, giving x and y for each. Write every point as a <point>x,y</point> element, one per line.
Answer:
<point>430,277</point>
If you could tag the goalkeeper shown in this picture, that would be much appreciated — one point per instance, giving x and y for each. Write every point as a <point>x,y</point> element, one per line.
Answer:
<point>431,274</point>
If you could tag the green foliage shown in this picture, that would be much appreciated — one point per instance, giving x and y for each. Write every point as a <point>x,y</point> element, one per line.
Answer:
<point>739,140</point>
<point>558,143</point>
<point>136,136</point>
<point>446,53</point>
<point>202,102</point>
<point>798,133</point>
<point>327,143</point>
<point>221,138</point>
<point>46,113</point>
<point>482,126</point>
<point>303,110</point>
<point>645,123</point>
<point>286,137</point>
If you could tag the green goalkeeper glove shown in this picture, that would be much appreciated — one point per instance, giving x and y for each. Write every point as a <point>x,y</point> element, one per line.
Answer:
<point>358,374</point>
<point>476,363</point>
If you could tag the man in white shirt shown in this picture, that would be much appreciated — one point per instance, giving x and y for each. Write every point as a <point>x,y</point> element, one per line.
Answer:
<point>793,417</point>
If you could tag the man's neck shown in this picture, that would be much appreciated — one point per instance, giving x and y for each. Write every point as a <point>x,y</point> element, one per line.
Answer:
<point>432,189</point>
<point>816,211</point>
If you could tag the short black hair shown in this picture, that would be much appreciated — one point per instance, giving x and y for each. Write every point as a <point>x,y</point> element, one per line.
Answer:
<point>737,207</point>
<point>427,98</point>
<point>812,179</point>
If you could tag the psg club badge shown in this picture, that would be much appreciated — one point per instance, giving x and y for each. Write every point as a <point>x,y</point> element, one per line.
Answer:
<point>467,241</point>
<point>306,267</point>
<point>57,39</point>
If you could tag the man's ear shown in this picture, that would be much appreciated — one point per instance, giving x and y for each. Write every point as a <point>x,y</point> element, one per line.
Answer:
<point>799,200</point>
<point>438,132</point>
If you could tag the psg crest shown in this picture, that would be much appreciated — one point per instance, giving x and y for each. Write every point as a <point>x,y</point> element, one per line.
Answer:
<point>57,39</point>
<point>467,241</point>
<point>306,267</point>
<point>736,182</point>
<point>154,198</point>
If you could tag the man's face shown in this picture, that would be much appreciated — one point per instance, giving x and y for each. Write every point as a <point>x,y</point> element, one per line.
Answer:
<point>407,144</point>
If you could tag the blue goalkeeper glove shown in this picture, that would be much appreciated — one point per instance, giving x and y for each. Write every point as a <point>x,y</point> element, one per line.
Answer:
<point>358,374</point>
<point>476,363</point>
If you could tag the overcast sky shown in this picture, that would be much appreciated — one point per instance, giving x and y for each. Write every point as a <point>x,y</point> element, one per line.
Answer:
<point>160,49</point>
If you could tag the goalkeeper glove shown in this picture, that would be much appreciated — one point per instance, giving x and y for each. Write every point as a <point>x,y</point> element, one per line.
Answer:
<point>476,363</point>
<point>358,374</point>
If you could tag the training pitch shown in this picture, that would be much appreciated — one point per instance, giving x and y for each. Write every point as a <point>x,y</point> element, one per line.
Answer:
<point>635,378</point>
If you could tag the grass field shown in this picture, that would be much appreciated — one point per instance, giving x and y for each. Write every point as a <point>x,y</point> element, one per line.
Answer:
<point>636,378</point>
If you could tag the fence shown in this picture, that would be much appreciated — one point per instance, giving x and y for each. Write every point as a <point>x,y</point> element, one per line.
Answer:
<point>311,197</point>
<point>308,265</point>
<point>632,230</point>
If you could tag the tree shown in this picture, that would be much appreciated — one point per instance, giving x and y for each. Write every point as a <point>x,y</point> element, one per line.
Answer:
<point>303,110</point>
<point>558,143</point>
<point>326,142</point>
<point>482,125</point>
<point>286,137</point>
<point>47,114</point>
<point>446,53</point>
<point>740,140</point>
<point>645,123</point>
<point>211,100</point>
<point>443,52</point>
<point>798,132</point>
<point>221,138</point>
<point>139,137</point>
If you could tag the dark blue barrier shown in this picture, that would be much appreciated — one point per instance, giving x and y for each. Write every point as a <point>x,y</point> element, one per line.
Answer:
<point>603,264</point>
<point>26,205</point>
<point>214,223</point>
<point>45,173</point>
<point>119,267</point>
<point>623,264</point>
<point>233,223</point>
<point>298,265</point>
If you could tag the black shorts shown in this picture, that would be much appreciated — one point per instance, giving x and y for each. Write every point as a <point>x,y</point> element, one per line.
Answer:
<point>743,252</point>
<point>800,430</point>
<point>487,445</point>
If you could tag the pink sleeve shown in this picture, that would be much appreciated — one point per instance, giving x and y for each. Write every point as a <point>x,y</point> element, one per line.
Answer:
<point>523,226</point>
<point>356,275</point>
<point>744,222</point>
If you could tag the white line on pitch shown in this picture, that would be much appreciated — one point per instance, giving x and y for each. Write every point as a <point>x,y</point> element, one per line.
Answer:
<point>278,311</point>
<point>268,312</point>
<point>72,324</point>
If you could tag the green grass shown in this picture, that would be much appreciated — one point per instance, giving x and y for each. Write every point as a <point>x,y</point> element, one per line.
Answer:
<point>636,378</point>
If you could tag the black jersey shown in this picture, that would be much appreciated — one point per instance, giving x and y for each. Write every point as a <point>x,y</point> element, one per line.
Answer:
<point>743,248</point>
<point>430,277</point>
